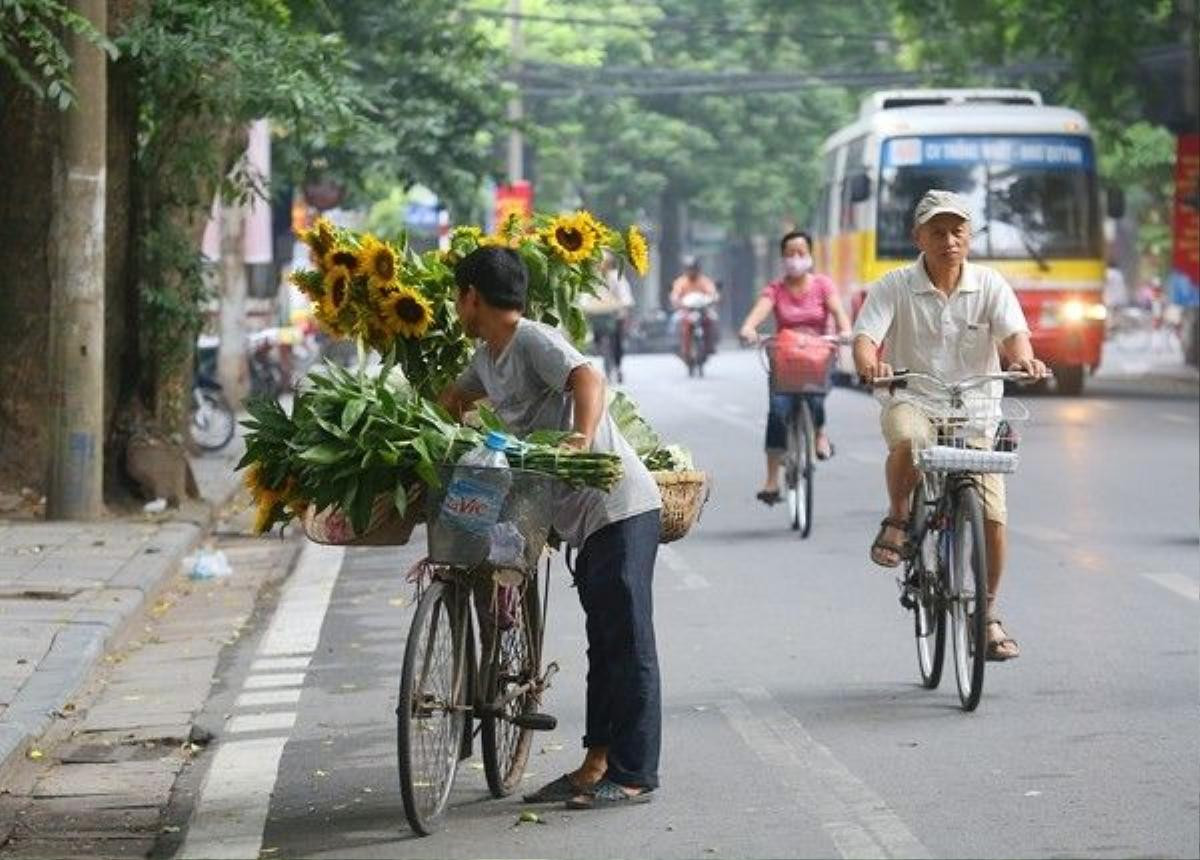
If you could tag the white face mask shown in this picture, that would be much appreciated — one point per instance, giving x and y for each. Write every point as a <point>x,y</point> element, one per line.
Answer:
<point>798,264</point>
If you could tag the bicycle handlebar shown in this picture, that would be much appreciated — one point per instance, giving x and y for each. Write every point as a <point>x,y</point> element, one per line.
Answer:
<point>900,379</point>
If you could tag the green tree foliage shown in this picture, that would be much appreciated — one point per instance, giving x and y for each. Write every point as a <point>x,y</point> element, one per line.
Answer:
<point>32,50</point>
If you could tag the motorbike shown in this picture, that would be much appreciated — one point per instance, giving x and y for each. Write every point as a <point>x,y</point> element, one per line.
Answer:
<point>267,378</point>
<point>694,347</point>
<point>211,423</point>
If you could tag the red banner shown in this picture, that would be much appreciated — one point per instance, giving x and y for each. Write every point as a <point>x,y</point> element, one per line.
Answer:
<point>1185,223</point>
<point>516,198</point>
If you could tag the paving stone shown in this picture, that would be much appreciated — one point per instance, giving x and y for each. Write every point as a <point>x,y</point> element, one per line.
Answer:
<point>152,780</point>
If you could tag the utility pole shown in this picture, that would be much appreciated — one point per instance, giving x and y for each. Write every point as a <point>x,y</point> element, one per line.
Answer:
<point>76,362</point>
<point>516,109</point>
<point>232,369</point>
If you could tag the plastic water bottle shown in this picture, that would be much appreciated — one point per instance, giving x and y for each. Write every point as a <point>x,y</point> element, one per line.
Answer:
<point>473,503</point>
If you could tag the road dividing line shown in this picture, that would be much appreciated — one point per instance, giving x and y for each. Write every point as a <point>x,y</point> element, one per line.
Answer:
<point>1177,419</point>
<point>688,579</point>
<point>231,811</point>
<point>1182,585</point>
<point>856,819</point>
<point>304,603</point>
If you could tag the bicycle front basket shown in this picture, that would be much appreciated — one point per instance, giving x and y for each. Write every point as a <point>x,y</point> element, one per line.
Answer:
<point>945,458</point>
<point>464,528</point>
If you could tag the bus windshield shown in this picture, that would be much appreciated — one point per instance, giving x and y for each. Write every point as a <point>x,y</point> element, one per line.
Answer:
<point>1032,196</point>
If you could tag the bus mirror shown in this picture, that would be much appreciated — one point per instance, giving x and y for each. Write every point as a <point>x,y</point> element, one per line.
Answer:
<point>1116,203</point>
<point>860,188</point>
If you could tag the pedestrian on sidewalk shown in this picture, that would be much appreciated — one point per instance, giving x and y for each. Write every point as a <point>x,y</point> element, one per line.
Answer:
<point>536,380</point>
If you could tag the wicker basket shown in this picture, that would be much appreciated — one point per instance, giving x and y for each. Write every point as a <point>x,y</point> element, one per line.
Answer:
<point>683,497</point>
<point>386,528</point>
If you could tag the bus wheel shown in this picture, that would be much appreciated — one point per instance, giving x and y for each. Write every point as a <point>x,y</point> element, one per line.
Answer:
<point>1069,380</point>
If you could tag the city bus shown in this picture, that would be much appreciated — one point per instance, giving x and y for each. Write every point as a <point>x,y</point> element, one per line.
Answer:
<point>1029,172</point>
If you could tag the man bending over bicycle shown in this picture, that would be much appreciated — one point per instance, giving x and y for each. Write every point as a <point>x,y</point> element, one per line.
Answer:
<point>946,317</point>
<point>536,380</point>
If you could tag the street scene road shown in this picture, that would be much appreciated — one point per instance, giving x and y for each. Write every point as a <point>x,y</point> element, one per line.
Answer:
<point>794,722</point>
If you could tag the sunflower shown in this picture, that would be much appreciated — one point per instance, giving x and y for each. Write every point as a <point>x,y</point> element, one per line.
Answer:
<point>337,289</point>
<point>636,250</point>
<point>378,291</point>
<point>407,312</point>
<point>320,239</point>
<point>254,479</point>
<point>342,256</point>
<point>264,515</point>
<point>573,237</point>
<point>378,260</point>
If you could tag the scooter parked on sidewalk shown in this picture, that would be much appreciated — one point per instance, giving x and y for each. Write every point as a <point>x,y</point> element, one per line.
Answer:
<point>211,423</point>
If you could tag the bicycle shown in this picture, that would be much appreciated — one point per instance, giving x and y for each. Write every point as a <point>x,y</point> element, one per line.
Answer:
<point>945,576</point>
<point>443,689</point>
<point>805,370</point>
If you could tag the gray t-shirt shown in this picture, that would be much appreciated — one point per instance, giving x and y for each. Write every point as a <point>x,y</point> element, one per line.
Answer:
<point>527,387</point>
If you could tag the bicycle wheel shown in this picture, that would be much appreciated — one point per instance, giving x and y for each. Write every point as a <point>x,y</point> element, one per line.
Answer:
<point>511,655</point>
<point>808,466</point>
<point>966,592</point>
<point>432,708</point>
<point>212,423</point>
<point>929,616</point>
<point>791,471</point>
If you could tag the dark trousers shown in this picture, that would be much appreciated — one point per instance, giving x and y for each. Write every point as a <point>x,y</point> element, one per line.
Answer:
<point>615,575</point>
<point>781,407</point>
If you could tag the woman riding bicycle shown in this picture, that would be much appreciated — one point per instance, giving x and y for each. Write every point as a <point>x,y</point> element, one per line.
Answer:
<point>802,301</point>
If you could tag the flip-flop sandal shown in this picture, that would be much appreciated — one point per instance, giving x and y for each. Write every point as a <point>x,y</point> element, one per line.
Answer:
<point>902,551</point>
<point>768,497</point>
<point>608,795</point>
<point>997,649</point>
<point>556,791</point>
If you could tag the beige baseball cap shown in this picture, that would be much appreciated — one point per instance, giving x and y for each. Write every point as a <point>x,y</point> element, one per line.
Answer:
<point>941,203</point>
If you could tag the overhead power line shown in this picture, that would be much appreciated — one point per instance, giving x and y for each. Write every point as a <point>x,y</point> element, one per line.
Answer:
<point>683,25</point>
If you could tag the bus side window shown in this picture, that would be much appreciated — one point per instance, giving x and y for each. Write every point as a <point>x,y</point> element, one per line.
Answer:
<point>853,166</point>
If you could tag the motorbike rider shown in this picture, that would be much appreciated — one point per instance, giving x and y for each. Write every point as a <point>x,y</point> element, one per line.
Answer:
<point>694,281</point>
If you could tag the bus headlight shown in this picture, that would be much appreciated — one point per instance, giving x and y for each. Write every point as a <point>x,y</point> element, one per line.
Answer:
<point>1073,312</point>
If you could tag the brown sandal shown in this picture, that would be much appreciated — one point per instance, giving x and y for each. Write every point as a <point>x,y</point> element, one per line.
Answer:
<point>1002,647</point>
<point>902,550</point>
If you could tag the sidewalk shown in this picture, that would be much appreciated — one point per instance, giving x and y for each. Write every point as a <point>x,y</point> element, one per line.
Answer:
<point>68,590</point>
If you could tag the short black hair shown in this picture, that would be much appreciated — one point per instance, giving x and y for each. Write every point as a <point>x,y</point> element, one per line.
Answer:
<point>498,274</point>
<point>794,234</point>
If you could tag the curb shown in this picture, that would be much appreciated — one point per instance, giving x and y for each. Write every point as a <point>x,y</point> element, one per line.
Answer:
<point>80,645</point>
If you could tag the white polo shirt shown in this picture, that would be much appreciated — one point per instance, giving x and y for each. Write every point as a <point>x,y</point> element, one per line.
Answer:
<point>950,337</point>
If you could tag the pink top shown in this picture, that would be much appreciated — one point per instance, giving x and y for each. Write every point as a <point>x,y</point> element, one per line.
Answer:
<point>808,311</point>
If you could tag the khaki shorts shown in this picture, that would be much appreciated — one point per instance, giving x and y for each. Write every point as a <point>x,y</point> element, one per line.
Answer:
<point>904,422</point>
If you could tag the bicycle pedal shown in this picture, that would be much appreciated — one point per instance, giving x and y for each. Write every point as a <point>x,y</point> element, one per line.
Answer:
<point>536,722</point>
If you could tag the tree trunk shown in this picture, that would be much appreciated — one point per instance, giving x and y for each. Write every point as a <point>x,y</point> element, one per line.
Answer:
<point>670,244</point>
<point>76,483</point>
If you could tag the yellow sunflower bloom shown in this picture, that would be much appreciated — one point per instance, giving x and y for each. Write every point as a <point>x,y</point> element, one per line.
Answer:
<point>337,289</point>
<point>253,479</point>
<point>378,291</point>
<point>264,515</point>
<point>407,312</point>
<point>637,250</point>
<point>320,239</point>
<point>572,237</point>
<point>342,256</point>
<point>378,260</point>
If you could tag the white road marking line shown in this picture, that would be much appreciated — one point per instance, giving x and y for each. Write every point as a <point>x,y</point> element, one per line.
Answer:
<point>262,682</point>
<point>856,819</point>
<point>231,811</point>
<point>269,664</point>
<point>689,580</point>
<point>1178,419</point>
<point>304,604</point>
<point>268,722</point>
<point>268,697</point>
<point>1182,585</point>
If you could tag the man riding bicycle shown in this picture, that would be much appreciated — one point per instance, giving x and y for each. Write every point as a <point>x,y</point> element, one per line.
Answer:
<point>946,317</point>
<point>693,281</point>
